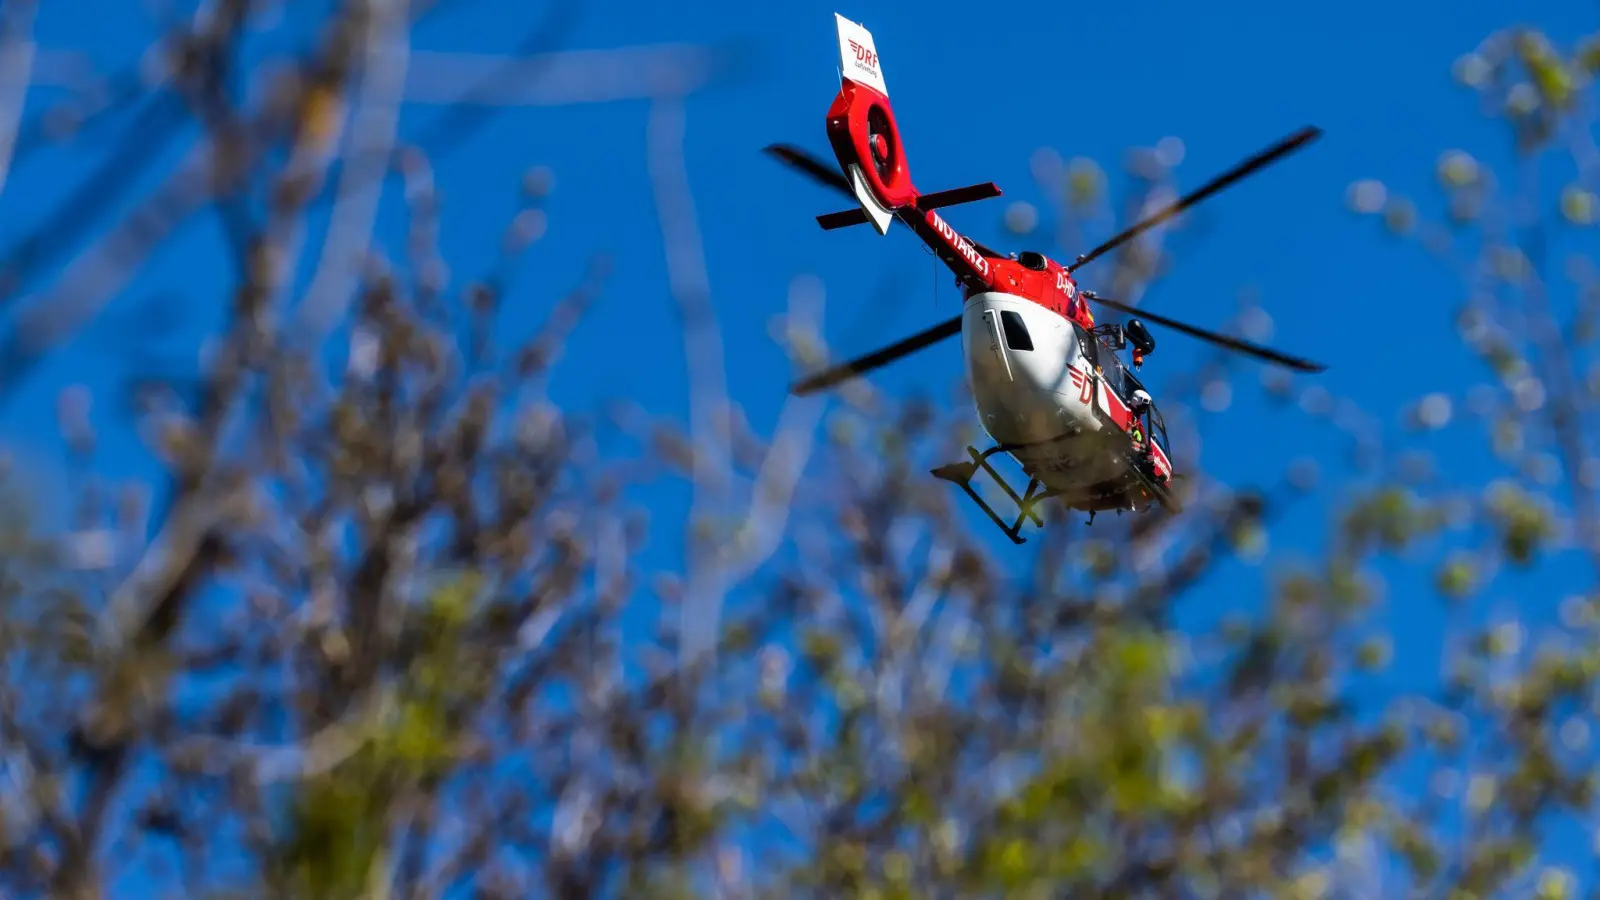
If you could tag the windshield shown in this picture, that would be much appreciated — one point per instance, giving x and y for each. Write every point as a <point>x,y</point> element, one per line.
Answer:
<point>1117,376</point>
<point>1123,383</point>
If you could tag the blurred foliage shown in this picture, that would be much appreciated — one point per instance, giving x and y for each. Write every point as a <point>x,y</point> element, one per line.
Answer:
<point>384,626</point>
<point>337,821</point>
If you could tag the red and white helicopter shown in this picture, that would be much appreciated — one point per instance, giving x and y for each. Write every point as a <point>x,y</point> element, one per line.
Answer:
<point>1048,384</point>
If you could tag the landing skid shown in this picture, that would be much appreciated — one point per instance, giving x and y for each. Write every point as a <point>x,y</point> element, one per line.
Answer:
<point>962,473</point>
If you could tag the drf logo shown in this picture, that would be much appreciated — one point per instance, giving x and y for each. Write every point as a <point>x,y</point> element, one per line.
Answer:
<point>863,55</point>
<point>1083,384</point>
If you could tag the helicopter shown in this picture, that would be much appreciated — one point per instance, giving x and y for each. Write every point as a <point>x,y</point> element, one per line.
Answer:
<point>1049,387</point>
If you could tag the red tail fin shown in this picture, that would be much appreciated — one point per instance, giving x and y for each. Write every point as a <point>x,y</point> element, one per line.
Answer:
<point>863,132</point>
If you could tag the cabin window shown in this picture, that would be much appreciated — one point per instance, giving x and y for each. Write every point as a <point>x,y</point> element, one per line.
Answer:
<point>1131,383</point>
<point>1088,347</point>
<point>1016,330</point>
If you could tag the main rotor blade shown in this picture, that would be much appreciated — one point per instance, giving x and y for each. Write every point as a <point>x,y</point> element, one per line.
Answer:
<point>809,165</point>
<point>1260,160</point>
<point>845,371</point>
<point>1232,343</point>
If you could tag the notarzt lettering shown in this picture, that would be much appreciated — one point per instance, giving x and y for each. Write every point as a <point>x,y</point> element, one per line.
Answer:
<point>960,243</point>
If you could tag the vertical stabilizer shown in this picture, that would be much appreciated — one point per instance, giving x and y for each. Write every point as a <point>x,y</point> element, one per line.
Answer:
<point>858,56</point>
<point>860,66</point>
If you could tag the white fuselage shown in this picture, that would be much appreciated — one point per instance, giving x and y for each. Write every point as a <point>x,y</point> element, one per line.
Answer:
<point>1046,396</point>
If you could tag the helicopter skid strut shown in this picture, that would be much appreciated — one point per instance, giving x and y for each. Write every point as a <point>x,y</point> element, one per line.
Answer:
<point>962,473</point>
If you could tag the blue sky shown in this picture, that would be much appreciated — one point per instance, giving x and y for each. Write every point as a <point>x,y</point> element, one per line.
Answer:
<point>976,90</point>
<point>1085,79</point>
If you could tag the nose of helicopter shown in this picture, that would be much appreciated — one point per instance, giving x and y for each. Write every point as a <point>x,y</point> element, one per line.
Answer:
<point>1019,359</point>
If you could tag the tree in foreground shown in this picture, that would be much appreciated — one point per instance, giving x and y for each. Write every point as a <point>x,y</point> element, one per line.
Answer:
<point>387,631</point>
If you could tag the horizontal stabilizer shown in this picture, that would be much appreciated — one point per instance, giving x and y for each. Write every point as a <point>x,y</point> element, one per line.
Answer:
<point>953,196</point>
<point>936,200</point>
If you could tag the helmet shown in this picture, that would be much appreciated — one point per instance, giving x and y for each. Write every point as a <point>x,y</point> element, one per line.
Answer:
<point>1140,398</point>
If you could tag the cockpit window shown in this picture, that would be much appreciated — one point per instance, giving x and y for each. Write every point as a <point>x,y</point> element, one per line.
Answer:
<point>1115,373</point>
<point>1016,330</point>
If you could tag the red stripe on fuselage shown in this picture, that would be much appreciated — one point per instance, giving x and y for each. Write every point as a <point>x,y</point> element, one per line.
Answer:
<point>1121,416</point>
<point>1163,465</point>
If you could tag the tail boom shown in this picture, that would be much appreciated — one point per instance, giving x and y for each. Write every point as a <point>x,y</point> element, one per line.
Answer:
<point>970,266</point>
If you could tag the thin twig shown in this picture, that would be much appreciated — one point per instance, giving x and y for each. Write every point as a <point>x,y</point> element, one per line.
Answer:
<point>16,64</point>
<point>372,135</point>
<point>710,435</point>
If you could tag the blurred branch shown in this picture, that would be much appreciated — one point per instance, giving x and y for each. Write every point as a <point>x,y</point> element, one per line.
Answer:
<point>374,122</point>
<point>756,538</point>
<point>464,119</point>
<point>100,271</point>
<point>1567,403</point>
<point>568,77</point>
<point>97,273</point>
<point>394,637</point>
<point>709,419</point>
<point>17,58</point>
<point>158,125</point>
